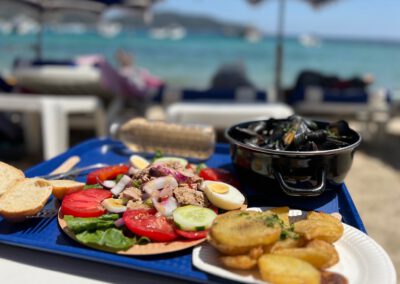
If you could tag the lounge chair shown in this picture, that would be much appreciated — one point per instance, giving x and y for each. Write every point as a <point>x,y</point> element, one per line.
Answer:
<point>222,108</point>
<point>354,103</point>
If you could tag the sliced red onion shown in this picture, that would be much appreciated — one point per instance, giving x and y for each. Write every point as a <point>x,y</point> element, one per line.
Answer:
<point>154,185</point>
<point>165,207</point>
<point>159,207</point>
<point>119,223</point>
<point>132,171</point>
<point>120,186</point>
<point>170,205</point>
<point>163,170</point>
<point>166,191</point>
<point>108,183</point>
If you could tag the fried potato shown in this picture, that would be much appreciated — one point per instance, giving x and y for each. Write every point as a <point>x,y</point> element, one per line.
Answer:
<point>326,247</point>
<point>246,261</point>
<point>242,262</point>
<point>237,232</point>
<point>283,214</point>
<point>286,243</point>
<point>323,216</point>
<point>279,269</point>
<point>319,229</point>
<point>317,257</point>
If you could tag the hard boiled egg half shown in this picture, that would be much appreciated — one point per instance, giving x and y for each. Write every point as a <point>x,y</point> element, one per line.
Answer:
<point>223,195</point>
<point>139,162</point>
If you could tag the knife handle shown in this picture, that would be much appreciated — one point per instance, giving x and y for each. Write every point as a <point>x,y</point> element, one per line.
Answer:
<point>67,165</point>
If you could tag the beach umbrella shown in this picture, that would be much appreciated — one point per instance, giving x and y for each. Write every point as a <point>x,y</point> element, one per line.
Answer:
<point>280,39</point>
<point>97,7</point>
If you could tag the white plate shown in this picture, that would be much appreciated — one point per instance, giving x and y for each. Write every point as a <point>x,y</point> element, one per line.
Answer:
<point>362,261</point>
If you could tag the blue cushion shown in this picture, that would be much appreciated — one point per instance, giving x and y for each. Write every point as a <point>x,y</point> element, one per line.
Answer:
<point>334,95</point>
<point>53,62</point>
<point>225,95</point>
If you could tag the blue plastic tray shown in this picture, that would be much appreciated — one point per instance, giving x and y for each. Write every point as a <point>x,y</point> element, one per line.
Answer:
<point>44,234</point>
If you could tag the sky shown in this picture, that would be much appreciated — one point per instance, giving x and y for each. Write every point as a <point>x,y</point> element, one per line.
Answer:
<point>372,19</point>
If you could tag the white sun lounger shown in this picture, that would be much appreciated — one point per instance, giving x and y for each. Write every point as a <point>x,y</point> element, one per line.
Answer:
<point>223,115</point>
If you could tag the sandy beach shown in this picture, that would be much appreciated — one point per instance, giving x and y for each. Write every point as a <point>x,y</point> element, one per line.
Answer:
<point>374,183</point>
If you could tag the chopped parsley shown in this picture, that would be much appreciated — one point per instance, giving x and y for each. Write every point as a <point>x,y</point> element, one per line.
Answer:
<point>136,183</point>
<point>273,220</point>
<point>289,232</point>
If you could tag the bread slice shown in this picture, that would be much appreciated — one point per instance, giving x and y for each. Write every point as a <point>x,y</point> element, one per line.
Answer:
<point>63,187</point>
<point>8,176</point>
<point>25,198</point>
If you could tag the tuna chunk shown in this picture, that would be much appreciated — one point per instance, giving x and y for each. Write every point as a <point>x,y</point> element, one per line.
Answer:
<point>187,196</point>
<point>132,205</point>
<point>131,193</point>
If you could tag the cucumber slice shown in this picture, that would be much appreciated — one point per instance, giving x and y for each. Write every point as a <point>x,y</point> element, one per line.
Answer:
<point>193,218</point>
<point>182,161</point>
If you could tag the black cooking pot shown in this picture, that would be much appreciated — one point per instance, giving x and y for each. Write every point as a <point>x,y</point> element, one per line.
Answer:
<point>304,173</point>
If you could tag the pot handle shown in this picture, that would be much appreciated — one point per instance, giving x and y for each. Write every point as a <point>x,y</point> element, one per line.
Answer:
<point>295,191</point>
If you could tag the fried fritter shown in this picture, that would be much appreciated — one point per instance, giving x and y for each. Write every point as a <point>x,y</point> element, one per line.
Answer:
<point>237,232</point>
<point>319,229</point>
<point>247,261</point>
<point>328,248</point>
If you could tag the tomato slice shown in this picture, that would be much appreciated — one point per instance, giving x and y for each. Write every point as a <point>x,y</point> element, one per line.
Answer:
<point>192,235</point>
<point>219,175</point>
<point>145,223</point>
<point>85,203</point>
<point>106,173</point>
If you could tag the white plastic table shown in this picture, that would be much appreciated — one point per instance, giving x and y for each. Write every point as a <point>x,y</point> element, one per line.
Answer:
<point>54,112</point>
<point>21,265</point>
<point>223,115</point>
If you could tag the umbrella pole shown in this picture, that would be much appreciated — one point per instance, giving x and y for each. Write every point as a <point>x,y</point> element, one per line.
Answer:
<point>279,50</point>
<point>39,35</point>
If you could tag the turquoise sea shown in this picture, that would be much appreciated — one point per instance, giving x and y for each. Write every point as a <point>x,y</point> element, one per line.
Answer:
<point>190,62</point>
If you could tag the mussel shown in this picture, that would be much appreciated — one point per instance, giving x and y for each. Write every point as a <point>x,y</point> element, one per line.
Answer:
<point>296,134</point>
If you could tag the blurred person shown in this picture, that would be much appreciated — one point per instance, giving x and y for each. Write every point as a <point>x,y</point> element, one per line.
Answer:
<point>141,78</point>
<point>314,78</point>
<point>231,76</point>
<point>311,78</point>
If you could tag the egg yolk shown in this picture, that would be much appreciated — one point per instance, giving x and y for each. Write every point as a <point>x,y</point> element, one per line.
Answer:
<point>219,188</point>
<point>140,164</point>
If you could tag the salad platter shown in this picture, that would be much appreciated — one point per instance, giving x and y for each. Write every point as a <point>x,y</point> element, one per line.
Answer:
<point>150,207</point>
<point>49,234</point>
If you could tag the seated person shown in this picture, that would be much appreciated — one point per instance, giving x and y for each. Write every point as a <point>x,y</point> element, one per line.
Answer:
<point>5,86</point>
<point>309,78</point>
<point>313,78</point>
<point>143,80</point>
<point>231,76</point>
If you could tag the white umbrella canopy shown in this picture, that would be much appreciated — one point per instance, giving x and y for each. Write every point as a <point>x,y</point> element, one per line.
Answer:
<point>279,42</point>
<point>52,11</point>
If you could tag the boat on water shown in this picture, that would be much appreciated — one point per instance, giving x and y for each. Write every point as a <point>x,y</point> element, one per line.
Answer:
<point>252,35</point>
<point>172,32</point>
<point>309,40</point>
<point>109,29</point>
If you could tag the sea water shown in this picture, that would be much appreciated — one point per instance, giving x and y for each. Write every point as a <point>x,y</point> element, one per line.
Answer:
<point>191,61</point>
